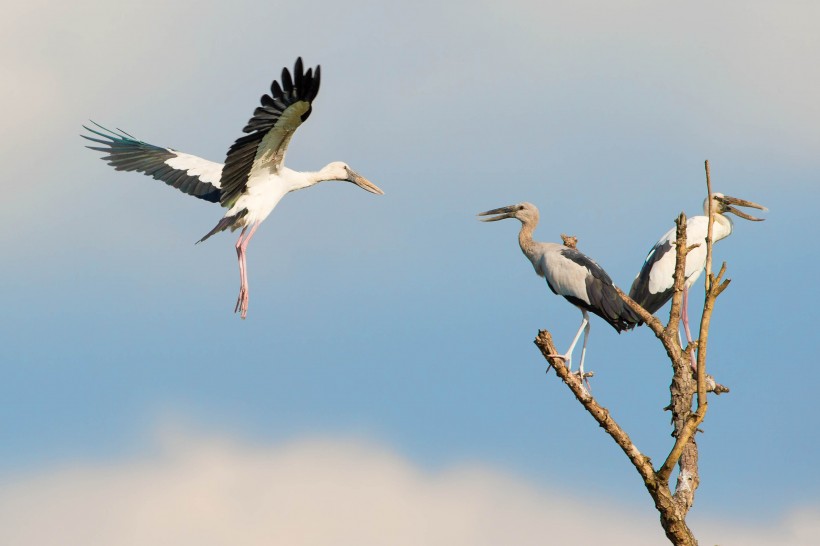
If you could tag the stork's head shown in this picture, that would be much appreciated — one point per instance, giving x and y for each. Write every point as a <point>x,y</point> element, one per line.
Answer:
<point>723,204</point>
<point>526,213</point>
<point>339,170</point>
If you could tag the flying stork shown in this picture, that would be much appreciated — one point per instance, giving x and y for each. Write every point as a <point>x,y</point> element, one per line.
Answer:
<point>571,274</point>
<point>253,178</point>
<point>653,286</point>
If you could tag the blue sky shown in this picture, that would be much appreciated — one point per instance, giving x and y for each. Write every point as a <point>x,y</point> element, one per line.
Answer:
<point>399,322</point>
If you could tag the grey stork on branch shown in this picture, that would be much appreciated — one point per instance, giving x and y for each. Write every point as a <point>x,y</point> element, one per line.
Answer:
<point>571,274</point>
<point>253,178</point>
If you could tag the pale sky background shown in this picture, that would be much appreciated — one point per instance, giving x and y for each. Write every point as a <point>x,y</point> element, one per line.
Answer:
<point>384,388</point>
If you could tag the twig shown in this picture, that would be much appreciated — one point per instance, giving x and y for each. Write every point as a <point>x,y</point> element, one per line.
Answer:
<point>570,241</point>
<point>710,208</point>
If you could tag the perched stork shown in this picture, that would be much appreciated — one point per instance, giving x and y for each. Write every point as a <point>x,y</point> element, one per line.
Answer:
<point>253,178</point>
<point>653,286</point>
<point>571,274</point>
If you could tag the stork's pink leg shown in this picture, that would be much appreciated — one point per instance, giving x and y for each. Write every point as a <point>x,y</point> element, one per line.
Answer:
<point>241,246</point>
<point>239,256</point>
<point>685,319</point>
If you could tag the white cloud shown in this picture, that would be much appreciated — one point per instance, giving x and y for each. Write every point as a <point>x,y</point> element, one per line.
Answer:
<point>323,491</point>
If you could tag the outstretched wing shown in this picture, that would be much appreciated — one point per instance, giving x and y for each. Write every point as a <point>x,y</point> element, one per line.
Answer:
<point>188,173</point>
<point>269,131</point>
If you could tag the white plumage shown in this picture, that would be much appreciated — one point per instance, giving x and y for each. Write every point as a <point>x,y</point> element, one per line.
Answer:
<point>196,167</point>
<point>661,275</point>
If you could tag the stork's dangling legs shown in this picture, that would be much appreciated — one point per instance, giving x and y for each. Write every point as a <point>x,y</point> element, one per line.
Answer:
<point>685,319</point>
<point>241,266</point>
<point>240,256</point>
<point>567,357</point>
<point>241,246</point>
<point>584,348</point>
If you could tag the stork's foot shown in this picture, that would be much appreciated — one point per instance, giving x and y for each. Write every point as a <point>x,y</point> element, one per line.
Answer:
<point>583,377</point>
<point>566,358</point>
<point>242,302</point>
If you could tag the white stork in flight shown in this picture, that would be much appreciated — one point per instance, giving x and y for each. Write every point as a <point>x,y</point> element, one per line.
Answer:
<point>253,178</point>
<point>571,274</point>
<point>653,286</point>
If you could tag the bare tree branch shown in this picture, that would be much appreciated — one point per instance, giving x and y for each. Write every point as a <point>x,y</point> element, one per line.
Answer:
<point>672,520</point>
<point>601,414</point>
<point>672,506</point>
<point>711,210</point>
<point>706,318</point>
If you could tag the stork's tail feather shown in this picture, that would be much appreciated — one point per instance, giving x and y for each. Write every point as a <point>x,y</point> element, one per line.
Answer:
<point>622,317</point>
<point>629,319</point>
<point>225,223</point>
<point>610,307</point>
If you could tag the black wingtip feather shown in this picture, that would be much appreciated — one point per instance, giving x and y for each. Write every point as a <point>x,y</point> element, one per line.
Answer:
<point>276,90</point>
<point>298,74</point>
<point>92,139</point>
<point>90,130</point>
<point>314,87</point>
<point>287,83</point>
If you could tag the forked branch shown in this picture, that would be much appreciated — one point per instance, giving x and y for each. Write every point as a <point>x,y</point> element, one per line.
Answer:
<point>672,506</point>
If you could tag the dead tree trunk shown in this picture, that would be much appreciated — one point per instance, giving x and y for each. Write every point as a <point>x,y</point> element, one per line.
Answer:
<point>688,394</point>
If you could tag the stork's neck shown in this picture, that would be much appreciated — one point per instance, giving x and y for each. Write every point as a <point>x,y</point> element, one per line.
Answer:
<point>722,227</point>
<point>525,239</point>
<point>297,180</point>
